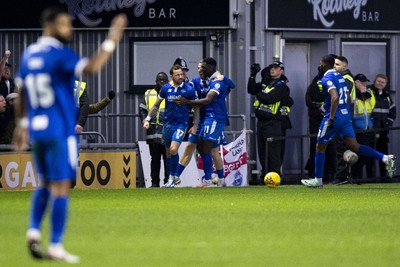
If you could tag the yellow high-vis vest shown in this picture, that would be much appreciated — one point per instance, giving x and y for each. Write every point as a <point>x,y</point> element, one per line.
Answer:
<point>78,90</point>
<point>150,98</point>
<point>271,108</point>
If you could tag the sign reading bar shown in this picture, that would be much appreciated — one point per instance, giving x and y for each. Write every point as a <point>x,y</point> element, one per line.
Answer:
<point>334,15</point>
<point>22,14</point>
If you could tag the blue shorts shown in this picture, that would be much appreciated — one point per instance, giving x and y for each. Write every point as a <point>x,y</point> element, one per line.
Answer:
<point>56,160</point>
<point>173,133</point>
<point>221,140</point>
<point>341,128</point>
<point>211,130</point>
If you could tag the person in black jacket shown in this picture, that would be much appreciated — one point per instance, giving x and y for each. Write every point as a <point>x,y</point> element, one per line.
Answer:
<point>383,116</point>
<point>284,109</point>
<point>270,93</point>
<point>7,85</point>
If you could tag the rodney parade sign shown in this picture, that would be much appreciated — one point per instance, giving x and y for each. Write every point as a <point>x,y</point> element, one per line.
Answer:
<point>334,15</point>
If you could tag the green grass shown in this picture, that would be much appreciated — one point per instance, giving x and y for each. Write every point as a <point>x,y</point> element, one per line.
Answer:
<point>252,226</point>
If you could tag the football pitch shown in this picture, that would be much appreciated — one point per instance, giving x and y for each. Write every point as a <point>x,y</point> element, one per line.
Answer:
<point>348,225</point>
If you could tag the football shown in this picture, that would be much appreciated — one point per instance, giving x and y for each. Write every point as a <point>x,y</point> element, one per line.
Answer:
<point>350,157</point>
<point>272,179</point>
<point>214,178</point>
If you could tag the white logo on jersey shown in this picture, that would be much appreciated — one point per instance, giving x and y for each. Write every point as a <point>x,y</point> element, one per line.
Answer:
<point>330,83</point>
<point>35,63</point>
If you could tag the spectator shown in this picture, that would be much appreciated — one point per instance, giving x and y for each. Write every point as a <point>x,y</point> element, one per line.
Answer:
<point>4,120</point>
<point>6,137</point>
<point>7,85</point>
<point>315,103</point>
<point>154,132</point>
<point>383,117</point>
<point>100,105</point>
<point>269,95</point>
<point>363,104</point>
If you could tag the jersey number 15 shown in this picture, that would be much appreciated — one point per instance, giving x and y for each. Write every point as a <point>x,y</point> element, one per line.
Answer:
<point>39,89</point>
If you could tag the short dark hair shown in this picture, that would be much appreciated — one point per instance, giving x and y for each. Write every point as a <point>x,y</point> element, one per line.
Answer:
<point>343,59</point>
<point>174,67</point>
<point>383,76</point>
<point>161,75</point>
<point>210,61</point>
<point>328,61</point>
<point>50,14</point>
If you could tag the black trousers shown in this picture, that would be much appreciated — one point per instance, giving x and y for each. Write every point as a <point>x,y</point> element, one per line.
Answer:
<point>156,152</point>
<point>382,145</point>
<point>358,168</point>
<point>269,153</point>
<point>341,166</point>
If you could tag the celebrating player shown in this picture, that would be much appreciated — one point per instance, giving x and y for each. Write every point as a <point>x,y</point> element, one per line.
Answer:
<point>46,78</point>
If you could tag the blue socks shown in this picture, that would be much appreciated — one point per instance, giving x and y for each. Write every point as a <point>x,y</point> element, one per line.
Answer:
<point>40,198</point>
<point>174,160</point>
<point>319,164</point>
<point>220,173</point>
<point>207,165</point>
<point>58,218</point>
<point>369,152</point>
<point>179,169</point>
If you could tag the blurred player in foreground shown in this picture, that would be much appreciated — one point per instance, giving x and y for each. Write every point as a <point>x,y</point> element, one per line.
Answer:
<point>48,112</point>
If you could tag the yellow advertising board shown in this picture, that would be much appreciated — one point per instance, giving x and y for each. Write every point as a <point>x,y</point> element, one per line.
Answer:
<point>96,170</point>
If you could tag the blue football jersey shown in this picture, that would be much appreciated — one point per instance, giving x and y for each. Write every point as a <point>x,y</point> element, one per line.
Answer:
<point>201,87</point>
<point>174,114</point>
<point>217,108</point>
<point>47,71</point>
<point>332,80</point>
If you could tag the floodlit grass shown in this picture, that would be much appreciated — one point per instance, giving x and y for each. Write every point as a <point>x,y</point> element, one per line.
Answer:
<point>345,225</point>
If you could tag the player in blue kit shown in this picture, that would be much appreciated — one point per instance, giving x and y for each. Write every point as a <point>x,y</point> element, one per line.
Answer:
<point>337,120</point>
<point>176,118</point>
<point>201,86</point>
<point>215,114</point>
<point>46,77</point>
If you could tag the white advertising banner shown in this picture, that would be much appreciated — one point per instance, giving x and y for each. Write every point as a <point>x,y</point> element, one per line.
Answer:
<point>235,162</point>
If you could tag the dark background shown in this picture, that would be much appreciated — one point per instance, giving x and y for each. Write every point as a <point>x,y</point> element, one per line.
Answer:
<point>23,14</point>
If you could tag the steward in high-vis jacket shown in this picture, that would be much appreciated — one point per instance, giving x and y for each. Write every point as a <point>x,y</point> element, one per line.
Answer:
<point>269,95</point>
<point>362,107</point>
<point>154,132</point>
<point>82,102</point>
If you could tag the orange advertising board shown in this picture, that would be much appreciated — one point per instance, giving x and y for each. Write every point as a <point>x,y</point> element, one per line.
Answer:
<point>95,170</point>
